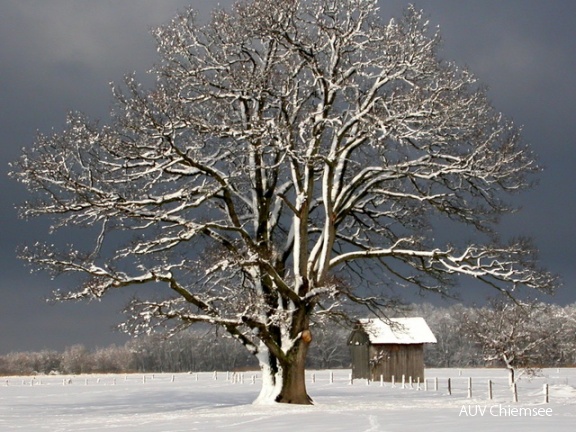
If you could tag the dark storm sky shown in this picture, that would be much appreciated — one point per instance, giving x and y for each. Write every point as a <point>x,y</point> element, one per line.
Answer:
<point>60,55</point>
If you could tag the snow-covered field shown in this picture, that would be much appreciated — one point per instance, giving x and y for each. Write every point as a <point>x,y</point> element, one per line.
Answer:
<point>190,402</point>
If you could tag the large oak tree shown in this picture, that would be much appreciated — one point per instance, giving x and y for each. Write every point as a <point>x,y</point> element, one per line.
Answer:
<point>286,148</point>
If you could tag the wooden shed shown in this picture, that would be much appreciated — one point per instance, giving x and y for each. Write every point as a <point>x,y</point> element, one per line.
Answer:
<point>392,348</point>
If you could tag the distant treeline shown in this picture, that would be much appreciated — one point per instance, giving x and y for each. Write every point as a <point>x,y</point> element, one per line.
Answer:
<point>204,350</point>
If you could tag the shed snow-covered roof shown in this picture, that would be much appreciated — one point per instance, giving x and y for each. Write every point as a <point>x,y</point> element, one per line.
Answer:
<point>413,330</point>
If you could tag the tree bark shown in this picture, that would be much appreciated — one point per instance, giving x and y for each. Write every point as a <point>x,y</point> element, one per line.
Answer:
<point>511,378</point>
<point>293,389</point>
<point>285,382</point>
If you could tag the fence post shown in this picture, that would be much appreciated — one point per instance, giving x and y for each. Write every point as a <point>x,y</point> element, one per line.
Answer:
<point>410,381</point>
<point>490,389</point>
<point>425,384</point>
<point>449,387</point>
<point>381,380</point>
<point>546,394</point>
<point>313,378</point>
<point>331,377</point>
<point>436,384</point>
<point>351,380</point>
<point>469,387</point>
<point>418,383</point>
<point>393,381</point>
<point>403,381</point>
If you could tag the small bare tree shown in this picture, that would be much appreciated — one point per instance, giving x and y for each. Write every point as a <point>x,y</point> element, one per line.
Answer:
<point>287,147</point>
<point>76,360</point>
<point>330,349</point>
<point>510,332</point>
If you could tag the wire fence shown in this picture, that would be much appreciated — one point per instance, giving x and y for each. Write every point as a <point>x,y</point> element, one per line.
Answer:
<point>495,388</point>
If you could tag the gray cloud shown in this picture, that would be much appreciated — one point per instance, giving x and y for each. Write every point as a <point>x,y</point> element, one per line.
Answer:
<point>60,55</point>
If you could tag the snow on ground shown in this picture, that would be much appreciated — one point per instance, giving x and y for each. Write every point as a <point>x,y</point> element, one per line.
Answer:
<point>198,402</point>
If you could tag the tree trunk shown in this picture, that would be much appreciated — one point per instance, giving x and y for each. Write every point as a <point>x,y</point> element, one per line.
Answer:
<point>286,382</point>
<point>293,389</point>
<point>511,376</point>
<point>271,378</point>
